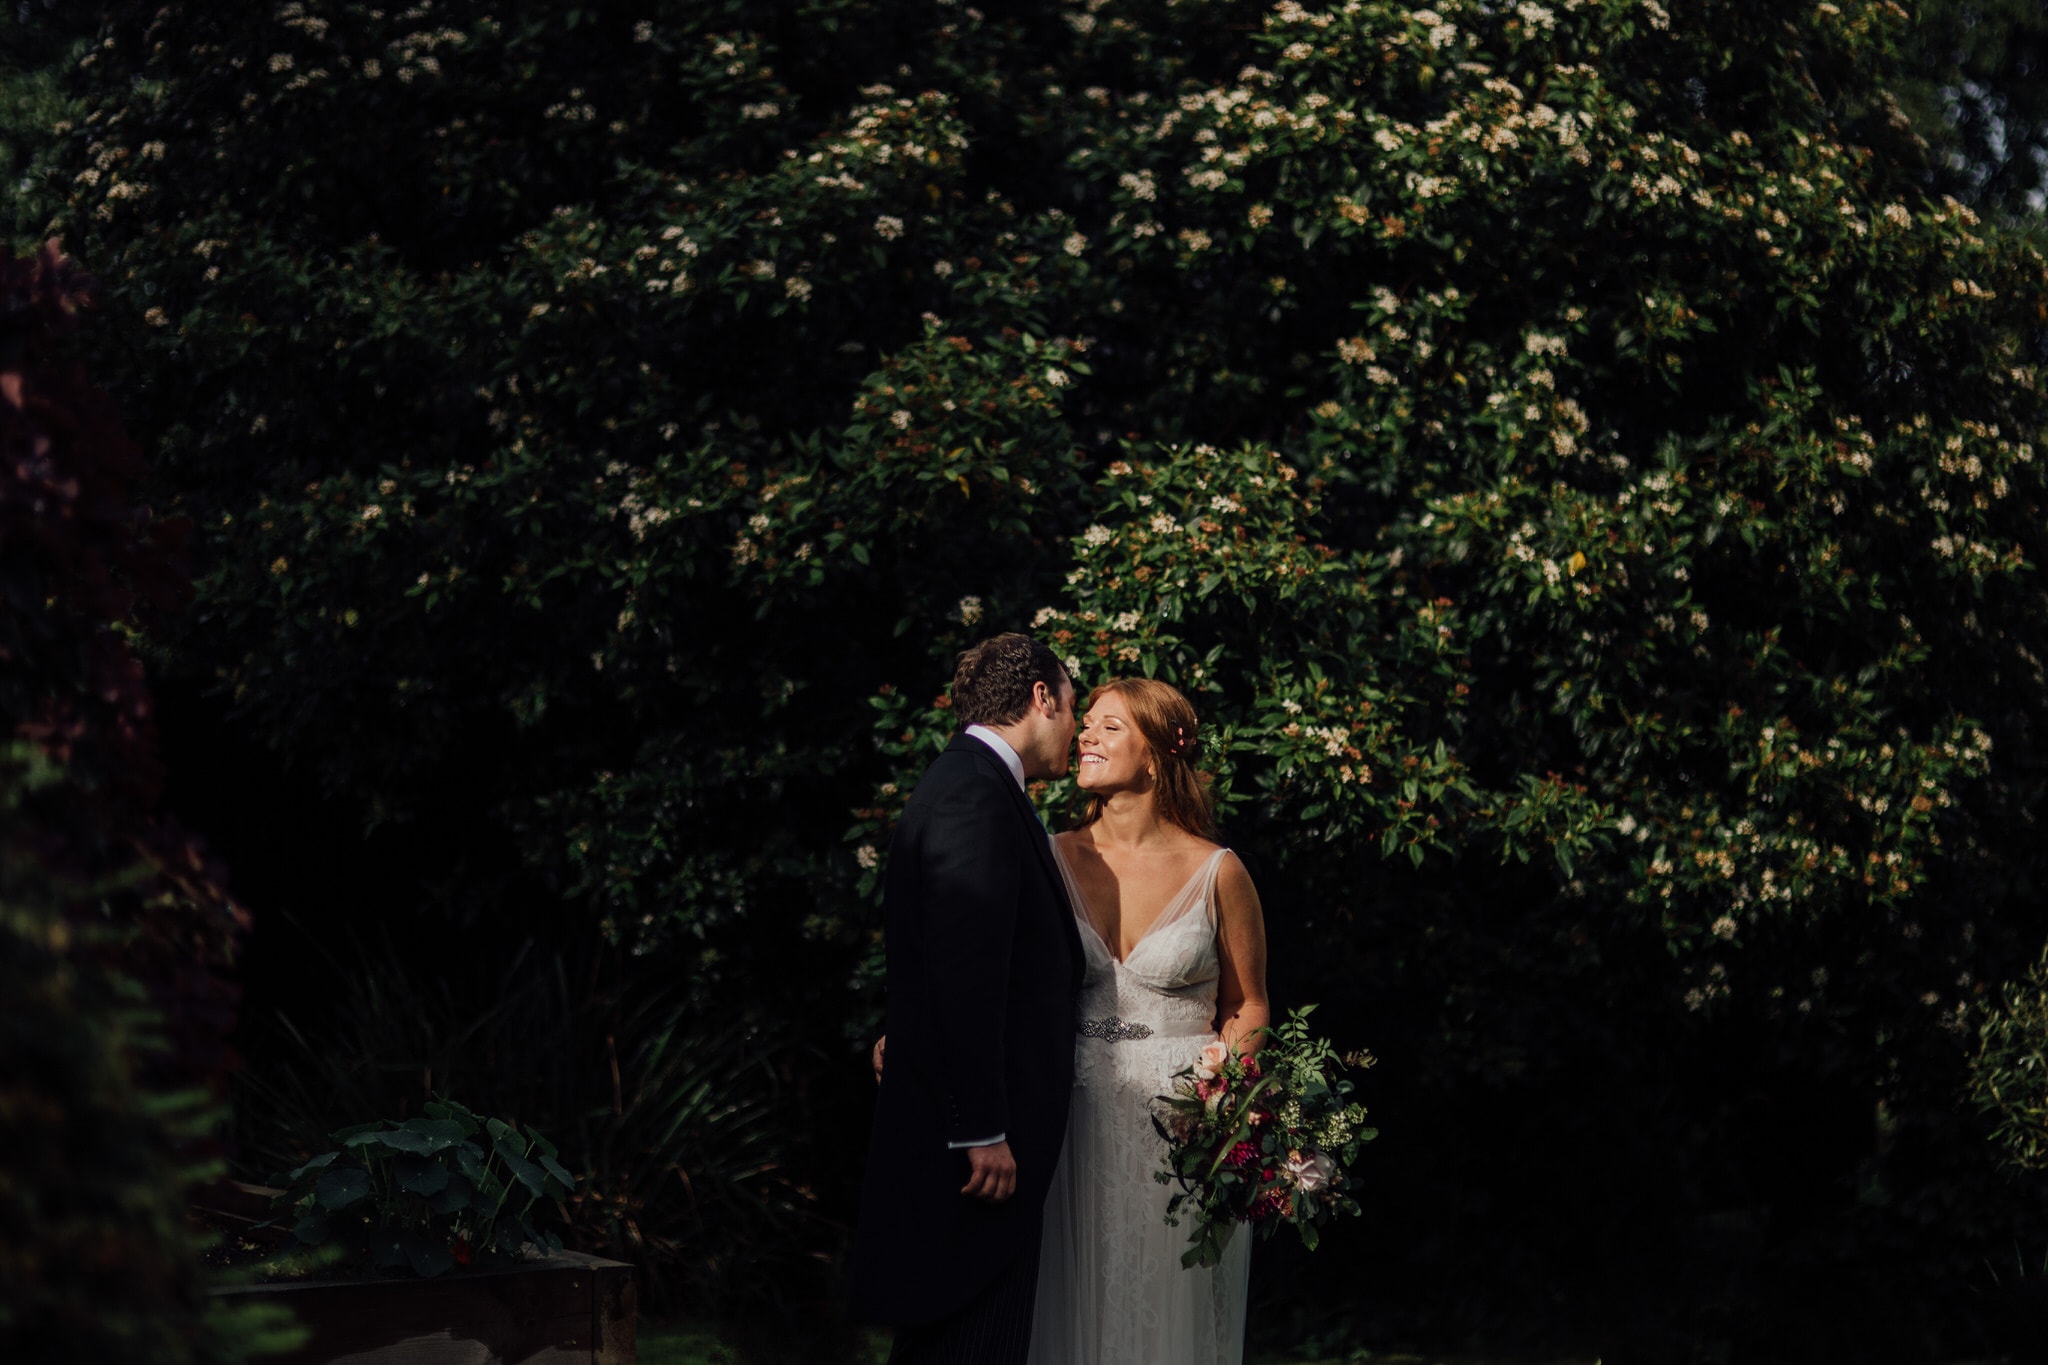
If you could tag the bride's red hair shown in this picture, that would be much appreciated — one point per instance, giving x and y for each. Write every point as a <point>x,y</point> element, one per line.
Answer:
<point>1166,721</point>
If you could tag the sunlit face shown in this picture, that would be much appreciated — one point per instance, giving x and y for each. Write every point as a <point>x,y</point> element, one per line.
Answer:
<point>1113,754</point>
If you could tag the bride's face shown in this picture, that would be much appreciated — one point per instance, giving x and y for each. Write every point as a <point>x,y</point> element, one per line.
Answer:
<point>1113,753</point>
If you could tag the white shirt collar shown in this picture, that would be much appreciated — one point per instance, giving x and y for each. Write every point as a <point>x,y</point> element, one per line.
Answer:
<point>1002,750</point>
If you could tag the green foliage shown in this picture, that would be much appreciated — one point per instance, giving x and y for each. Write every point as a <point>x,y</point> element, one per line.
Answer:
<point>114,928</point>
<point>430,1193</point>
<point>1971,103</point>
<point>673,1135</point>
<point>2009,1070</point>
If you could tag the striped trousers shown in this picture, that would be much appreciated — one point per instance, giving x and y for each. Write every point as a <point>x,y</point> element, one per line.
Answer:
<point>995,1329</point>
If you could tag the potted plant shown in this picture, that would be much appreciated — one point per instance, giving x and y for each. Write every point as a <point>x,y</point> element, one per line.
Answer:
<point>425,1239</point>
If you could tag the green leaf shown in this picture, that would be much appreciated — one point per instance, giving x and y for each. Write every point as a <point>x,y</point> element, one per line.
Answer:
<point>421,1176</point>
<point>320,1162</point>
<point>439,1133</point>
<point>427,1258</point>
<point>403,1140</point>
<point>524,1171</point>
<point>339,1189</point>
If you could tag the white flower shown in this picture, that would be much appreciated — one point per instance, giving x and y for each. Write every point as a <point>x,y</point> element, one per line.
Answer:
<point>796,288</point>
<point>280,61</point>
<point>1194,239</point>
<point>1125,620</point>
<point>643,32</point>
<point>1212,1060</point>
<point>888,227</point>
<point>1075,244</point>
<point>1095,535</point>
<point>1138,185</point>
<point>942,269</point>
<point>372,512</point>
<point>1164,524</point>
<point>1057,377</point>
<point>765,109</point>
<point>1041,616</point>
<point>1355,351</point>
<point>970,610</point>
<point>866,856</point>
<point>900,419</point>
<point>1724,927</point>
<point>1310,1171</point>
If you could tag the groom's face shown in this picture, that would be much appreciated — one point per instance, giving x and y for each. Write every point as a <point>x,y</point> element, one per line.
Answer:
<point>1065,721</point>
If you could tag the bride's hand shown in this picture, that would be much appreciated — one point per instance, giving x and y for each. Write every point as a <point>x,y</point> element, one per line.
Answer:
<point>880,1043</point>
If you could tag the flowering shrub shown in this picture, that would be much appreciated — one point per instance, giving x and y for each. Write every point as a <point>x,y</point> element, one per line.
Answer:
<point>1265,1138</point>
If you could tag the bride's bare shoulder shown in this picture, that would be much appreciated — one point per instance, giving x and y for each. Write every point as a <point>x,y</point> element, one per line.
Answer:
<point>1075,840</point>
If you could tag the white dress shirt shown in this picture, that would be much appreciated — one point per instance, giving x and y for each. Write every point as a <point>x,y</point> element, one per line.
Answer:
<point>1002,750</point>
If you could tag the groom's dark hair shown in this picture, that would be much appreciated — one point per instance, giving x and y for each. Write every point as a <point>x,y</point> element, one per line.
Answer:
<point>993,682</point>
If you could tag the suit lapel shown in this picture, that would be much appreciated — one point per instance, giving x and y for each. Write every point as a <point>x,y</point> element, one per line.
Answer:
<point>1041,846</point>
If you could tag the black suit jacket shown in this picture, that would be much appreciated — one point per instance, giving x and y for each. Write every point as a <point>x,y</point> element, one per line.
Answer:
<point>984,967</point>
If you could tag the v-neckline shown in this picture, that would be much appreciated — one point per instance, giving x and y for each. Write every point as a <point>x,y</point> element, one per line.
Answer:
<point>1088,920</point>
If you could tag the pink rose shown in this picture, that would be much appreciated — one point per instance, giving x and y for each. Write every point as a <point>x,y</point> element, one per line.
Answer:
<point>1212,1059</point>
<point>1310,1171</point>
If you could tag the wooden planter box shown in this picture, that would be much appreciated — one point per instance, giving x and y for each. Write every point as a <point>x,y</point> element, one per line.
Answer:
<point>569,1309</point>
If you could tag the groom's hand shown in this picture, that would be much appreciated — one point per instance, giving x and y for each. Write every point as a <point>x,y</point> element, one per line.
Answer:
<point>992,1173</point>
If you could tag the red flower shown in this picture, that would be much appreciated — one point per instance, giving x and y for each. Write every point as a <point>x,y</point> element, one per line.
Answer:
<point>461,1250</point>
<point>1241,1155</point>
<point>1268,1205</point>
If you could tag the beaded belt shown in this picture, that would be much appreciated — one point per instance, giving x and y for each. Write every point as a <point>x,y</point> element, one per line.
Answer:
<point>1113,1030</point>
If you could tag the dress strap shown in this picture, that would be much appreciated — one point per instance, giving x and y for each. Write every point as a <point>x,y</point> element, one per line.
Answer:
<point>1209,874</point>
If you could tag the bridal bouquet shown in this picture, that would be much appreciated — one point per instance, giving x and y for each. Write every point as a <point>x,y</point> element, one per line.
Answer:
<point>1266,1139</point>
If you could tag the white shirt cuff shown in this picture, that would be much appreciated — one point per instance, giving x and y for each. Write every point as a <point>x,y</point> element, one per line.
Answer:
<point>982,1142</point>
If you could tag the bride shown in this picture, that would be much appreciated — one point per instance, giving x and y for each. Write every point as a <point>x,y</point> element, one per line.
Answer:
<point>1176,949</point>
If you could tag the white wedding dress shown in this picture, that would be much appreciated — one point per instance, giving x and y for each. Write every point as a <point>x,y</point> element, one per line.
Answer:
<point>1111,1288</point>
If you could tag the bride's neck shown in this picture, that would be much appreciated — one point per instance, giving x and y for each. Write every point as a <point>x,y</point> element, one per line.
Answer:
<point>1130,820</point>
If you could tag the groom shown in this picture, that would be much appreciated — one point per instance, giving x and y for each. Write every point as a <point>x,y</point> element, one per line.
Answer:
<point>984,965</point>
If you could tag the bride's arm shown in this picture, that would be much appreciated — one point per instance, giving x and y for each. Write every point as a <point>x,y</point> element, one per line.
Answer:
<point>1241,945</point>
